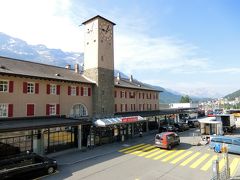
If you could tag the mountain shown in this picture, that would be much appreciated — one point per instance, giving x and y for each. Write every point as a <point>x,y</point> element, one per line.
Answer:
<point>19,49</point>
<point>233,95</point>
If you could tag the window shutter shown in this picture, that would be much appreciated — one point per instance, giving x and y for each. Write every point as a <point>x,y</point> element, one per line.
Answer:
<point>48,88</point>
<point>115,94</point>
<point>10,86</point>
<point>10,110</point>
<point>36,88</point>
<point>126,109</point>
<point>47,109</point>
<point>89,91</point>
<point>69,90</point>
<point>58,89</point>
<point>58,109</point>
<point>77,91</point>
<point>30,109</point>
<point>81,91</point>
<point>25,87</point>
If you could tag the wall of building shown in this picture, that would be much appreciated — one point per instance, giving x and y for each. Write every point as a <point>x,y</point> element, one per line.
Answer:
<point>142,99</point>
<point>19,100</point>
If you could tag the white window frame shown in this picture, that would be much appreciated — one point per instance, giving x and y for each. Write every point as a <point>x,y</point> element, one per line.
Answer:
<point>3,110</point>
<point>73,90</point>
<point>30,87</point>
<point>5,84</point>
<point>53,89</point>
<point>52,109</point>
<point>85,91</point>
<point>123,94</point>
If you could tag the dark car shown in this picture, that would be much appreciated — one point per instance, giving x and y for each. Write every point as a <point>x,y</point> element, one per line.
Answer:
<point>25,163</point>
<point>7,149</point>
<point>193,123</point>
<point>167,140</point>
<point>181,126</point>
<point>167,128</point>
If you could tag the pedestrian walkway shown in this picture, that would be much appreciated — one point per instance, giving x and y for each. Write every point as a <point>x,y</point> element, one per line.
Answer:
<point>184,158</point>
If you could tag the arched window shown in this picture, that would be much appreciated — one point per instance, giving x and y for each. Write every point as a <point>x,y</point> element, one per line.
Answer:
<point>78,111</point>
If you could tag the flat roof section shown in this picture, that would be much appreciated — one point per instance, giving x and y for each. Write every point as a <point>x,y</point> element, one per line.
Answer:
<point>10,125</point>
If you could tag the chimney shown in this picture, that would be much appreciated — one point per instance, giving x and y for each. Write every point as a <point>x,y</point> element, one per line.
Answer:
<point>118,76</point>
<point>131,78</point>
<point>68,66</point>
<point>76,68</point>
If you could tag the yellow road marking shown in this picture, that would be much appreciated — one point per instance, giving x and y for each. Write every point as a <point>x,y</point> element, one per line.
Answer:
<point>233,166</point>
<point>184,163</point>
<point>181,157</point>
<point>148,152</point>
<point>132,147</point>
<point>136,149</point>
<point>154,154</point>
<point>221,164</point>
<point>173,155</point>
<point>209,163</point>
<point>199,161</point>
<point>164,154</point>
<point>142,150</point>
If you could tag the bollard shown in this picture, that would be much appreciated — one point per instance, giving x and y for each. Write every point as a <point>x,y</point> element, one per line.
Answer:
<point>215,169</point>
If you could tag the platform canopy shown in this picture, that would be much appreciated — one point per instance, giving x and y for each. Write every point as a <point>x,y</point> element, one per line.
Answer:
<point>118,120</point>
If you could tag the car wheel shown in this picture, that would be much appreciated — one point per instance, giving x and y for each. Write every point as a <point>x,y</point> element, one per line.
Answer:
<point>50,170</point>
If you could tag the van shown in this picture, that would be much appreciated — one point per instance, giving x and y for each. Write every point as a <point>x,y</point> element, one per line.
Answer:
<point>25,163</point>
<point>233,144</point>
<point>167,140</point>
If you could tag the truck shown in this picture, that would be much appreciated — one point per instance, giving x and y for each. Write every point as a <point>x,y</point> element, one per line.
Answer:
<point>210,126</point>
<point>228,122</point>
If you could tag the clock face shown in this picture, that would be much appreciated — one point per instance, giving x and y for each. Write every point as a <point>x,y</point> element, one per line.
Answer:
<point>106,31</point>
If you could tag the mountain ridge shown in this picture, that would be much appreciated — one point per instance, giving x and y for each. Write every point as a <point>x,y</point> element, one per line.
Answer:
<point>18,49</point>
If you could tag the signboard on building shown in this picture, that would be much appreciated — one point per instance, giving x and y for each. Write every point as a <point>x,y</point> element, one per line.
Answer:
<point>129,119</point>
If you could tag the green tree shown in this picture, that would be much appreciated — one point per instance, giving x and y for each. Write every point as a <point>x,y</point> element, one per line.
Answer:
<point>185,99</point>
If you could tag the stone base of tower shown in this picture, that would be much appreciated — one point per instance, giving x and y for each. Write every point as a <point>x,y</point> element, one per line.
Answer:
<point>103,91</point>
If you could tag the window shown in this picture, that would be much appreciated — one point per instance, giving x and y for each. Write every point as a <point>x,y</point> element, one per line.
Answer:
<point>53,89</point>
<point>52,109</point>
<point>30,109</point>
<point>131,94</point>
<point>85,91</point>
<point>3,86</point>
<point>3,110</point>
<point>122,94</point>
<point>236,142</point>
<point>73,90</point>
<point>78,111</point>
<point>30,88</point>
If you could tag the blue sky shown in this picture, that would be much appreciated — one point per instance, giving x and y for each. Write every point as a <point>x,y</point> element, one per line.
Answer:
<point>189,46</point>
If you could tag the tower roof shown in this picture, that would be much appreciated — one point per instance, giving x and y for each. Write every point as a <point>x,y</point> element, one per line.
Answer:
<point>95,17</point>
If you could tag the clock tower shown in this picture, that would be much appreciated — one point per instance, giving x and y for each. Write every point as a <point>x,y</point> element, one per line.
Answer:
<point>99,64</point>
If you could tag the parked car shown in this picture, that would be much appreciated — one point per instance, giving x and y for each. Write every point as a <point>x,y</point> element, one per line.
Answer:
<point>232,143</point>
<point>193,123</point>
<point>167,128</point>
<point>181,126</point>
<point>7,149</point>
<point>167,140</point>
<point>22,164</point>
